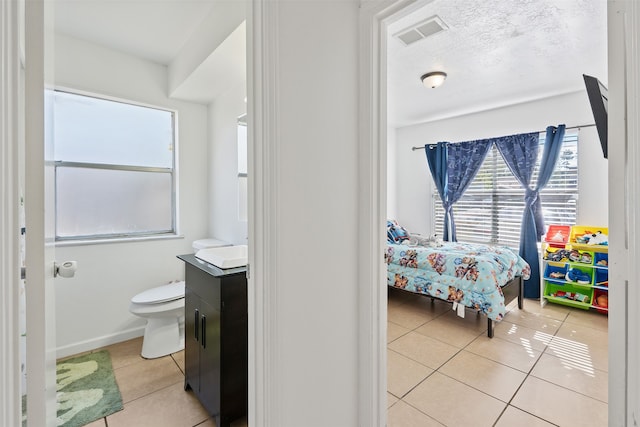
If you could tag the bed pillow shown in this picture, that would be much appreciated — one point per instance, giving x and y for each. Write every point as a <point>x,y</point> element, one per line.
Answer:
<point>395,232</point>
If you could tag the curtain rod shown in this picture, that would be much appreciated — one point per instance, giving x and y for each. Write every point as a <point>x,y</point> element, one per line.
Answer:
<point>566,128</point>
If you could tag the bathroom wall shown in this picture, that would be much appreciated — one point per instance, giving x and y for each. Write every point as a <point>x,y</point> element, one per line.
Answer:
<point>412,184</point>
<point>224,221</point>
<point>92,308</point>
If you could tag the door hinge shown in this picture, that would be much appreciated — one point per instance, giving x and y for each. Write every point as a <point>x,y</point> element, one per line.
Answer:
<point>248,271</point>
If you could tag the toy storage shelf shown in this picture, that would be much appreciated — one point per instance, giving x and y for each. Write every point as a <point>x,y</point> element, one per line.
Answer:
<point>575,273</point>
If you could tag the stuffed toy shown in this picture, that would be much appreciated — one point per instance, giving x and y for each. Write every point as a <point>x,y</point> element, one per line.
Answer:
<point>432,241</point>
<point>558,237</point>
<point>598,238</point>
<point>396,234</point>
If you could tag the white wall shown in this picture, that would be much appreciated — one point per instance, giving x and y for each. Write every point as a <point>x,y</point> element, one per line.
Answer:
<point>305,216</point>
<point>224,222</point>
<point>92,308</point>
<point>413,182</point>
<point>209,35</point>
<point>392,173</point>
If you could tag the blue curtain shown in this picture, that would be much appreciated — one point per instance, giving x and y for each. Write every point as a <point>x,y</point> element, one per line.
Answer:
<point>552,145</point>
<point>437,160</point>
<point>520,153</point>
<point>463,162</point>
<point>453,167</point>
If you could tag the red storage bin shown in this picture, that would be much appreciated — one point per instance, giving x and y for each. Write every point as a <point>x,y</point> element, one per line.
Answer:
<point>558,235</point>
<point>601,301</point>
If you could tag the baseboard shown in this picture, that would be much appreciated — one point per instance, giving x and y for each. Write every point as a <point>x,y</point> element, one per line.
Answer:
<point>94,343</point>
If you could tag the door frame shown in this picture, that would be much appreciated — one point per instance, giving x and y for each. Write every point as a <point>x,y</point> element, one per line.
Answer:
<point>624,78</point>
<point>11,116</point>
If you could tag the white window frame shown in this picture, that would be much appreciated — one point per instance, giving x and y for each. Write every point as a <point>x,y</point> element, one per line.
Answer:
<point>173,232</point>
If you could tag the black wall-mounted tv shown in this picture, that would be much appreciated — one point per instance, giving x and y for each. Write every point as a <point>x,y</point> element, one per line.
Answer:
<point>598,98</point>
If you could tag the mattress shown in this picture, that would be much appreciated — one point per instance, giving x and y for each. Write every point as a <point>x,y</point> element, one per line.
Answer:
<point>469,274</point>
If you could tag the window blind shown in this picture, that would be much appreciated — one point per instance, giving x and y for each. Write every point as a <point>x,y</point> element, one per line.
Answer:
<point>491,209</point>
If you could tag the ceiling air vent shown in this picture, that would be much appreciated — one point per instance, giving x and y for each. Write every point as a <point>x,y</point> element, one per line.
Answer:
<point>421,30</point>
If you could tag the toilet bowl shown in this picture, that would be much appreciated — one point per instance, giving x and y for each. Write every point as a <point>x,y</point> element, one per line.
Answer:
<point>163,308</point>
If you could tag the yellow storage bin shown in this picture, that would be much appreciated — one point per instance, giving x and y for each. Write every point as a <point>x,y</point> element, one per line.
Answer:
<point>577,238</point>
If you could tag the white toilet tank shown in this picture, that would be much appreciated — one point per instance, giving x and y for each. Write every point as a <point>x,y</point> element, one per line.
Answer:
<point>208,243</point>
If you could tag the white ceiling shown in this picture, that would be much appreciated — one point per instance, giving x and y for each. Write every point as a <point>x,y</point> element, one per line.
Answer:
<point>154,30</point>
<point>495,52</point>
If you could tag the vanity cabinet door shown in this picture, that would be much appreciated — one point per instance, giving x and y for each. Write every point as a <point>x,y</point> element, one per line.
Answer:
<point>210,358</point>
<point>234,351</point>
<point>191,341</point>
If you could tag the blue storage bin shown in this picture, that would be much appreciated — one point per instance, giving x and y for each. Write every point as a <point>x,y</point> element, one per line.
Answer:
<point>602,277</point>
<point>601,259</point>
<point>555,272</point>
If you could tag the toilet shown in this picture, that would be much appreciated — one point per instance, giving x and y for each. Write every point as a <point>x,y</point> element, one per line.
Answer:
<point>163,307</point>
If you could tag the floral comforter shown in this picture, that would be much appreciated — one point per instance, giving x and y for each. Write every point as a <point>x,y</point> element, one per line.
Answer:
<point>469,274</point>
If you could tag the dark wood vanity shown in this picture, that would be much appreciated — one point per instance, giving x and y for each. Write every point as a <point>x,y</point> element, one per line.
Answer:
<point>216,341</point>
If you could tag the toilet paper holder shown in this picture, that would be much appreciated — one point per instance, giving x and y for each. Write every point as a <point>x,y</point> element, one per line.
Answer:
<point>66,269</point>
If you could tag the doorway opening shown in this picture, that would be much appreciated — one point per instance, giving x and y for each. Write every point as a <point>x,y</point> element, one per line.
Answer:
<point>428,341</point>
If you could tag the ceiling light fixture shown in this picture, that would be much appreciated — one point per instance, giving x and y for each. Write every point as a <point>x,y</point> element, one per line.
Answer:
<point>433,79</point>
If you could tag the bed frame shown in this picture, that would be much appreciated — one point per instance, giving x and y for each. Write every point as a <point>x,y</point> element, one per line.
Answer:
<point>513,289</point>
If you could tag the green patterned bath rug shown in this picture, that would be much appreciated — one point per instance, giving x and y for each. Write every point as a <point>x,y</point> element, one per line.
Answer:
<point>86,389</point>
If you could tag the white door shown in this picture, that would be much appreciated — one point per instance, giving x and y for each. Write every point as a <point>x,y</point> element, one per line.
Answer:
<point>624,205</point>
<point>39,215</point>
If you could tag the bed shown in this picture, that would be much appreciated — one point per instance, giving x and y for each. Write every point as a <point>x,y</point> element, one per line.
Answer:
<point>473,275</point>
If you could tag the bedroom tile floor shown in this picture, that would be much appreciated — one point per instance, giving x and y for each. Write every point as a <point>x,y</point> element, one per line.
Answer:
<point>544,366</point>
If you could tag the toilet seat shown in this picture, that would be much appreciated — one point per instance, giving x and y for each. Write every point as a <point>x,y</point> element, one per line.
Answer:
<point>170,309</point>
<point>160,294</point>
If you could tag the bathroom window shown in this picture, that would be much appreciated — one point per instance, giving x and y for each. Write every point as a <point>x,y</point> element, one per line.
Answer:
<point>114,169</point>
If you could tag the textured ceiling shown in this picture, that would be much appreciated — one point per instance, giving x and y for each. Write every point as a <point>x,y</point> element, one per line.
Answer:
<point>495,52</point>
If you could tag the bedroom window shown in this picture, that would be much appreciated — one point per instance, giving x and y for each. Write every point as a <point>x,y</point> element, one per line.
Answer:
<point>491,209</point>
<point>114,169</point>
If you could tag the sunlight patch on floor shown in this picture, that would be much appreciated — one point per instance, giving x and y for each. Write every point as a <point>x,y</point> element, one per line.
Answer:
<point>573,354</point>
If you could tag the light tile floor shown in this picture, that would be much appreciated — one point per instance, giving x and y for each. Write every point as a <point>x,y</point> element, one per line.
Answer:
<point>544,366</point>
<point>153,391</point>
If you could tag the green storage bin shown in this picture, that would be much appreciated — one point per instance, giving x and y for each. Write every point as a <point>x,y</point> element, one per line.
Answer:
<point>554,292</point>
